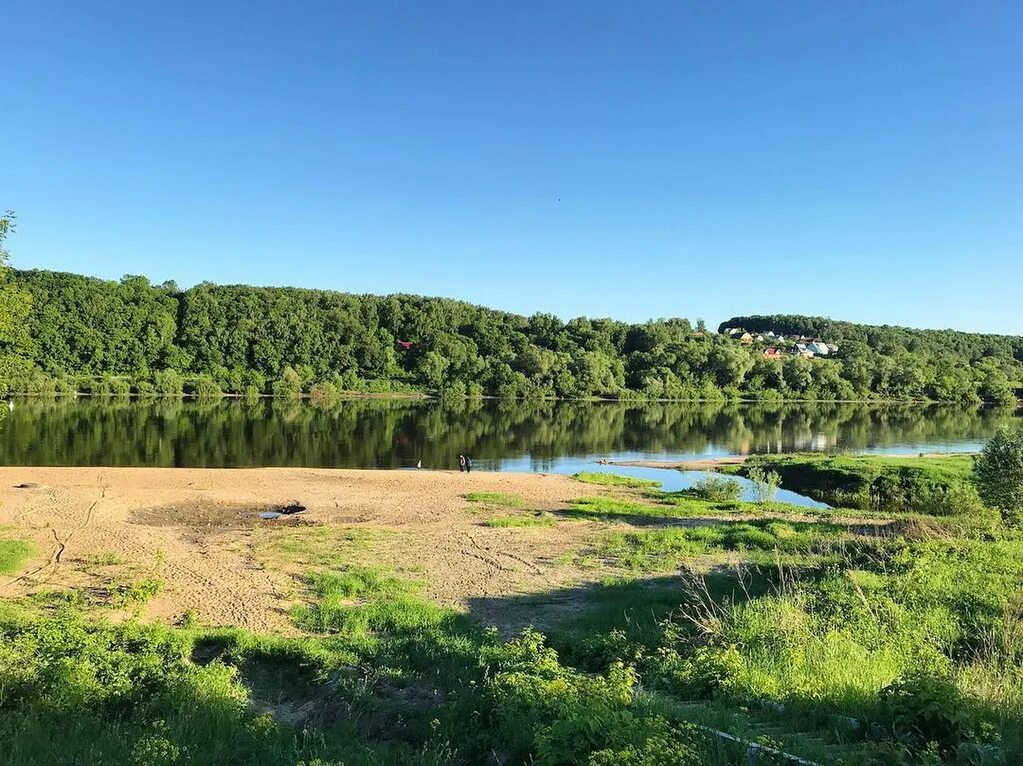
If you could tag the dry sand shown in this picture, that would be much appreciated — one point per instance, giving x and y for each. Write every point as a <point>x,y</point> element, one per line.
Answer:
<point>199,531</point>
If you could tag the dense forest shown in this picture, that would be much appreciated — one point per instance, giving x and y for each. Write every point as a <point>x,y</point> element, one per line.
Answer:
<point>106,337</point>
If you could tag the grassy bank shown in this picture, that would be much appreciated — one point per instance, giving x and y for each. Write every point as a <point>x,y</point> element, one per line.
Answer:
<point>936,485</point>
<point>896,642</point>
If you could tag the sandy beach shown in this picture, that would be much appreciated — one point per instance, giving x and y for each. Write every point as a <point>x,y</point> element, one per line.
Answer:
<point>199,531</point>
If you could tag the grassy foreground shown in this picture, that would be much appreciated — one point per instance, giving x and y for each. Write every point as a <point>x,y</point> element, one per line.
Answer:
<point>892,643</point>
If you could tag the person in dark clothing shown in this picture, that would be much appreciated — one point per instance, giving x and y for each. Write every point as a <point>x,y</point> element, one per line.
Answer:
<point>461,462</point>
<point>468,464</point>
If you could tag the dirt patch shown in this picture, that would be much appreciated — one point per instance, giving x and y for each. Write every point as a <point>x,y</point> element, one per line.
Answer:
<point>215,517</point>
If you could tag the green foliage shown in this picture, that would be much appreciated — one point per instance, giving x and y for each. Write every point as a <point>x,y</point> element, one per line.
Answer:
<point>765,483</point>
<point>998,471</point>
<point>135,593</point>
<point>615,480</point>
<point>205,388</point>
<point>666,549</point>
<point>717,489</point>
<point>935,485</point>
<point>14,553</point>
<point>168,383</point>
<point>242,337</point>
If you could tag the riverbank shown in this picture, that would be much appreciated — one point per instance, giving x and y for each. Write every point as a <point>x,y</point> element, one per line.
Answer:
<point>199,532</point>
<point>715,463</point>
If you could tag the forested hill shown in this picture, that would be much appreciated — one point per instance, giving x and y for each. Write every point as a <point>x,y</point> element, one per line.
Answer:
<point>118,337</point>
<point>886,338</point>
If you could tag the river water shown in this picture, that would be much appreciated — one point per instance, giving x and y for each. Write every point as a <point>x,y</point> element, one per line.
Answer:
<point>499,435</point>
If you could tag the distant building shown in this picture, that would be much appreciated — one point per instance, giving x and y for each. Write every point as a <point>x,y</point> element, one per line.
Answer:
<point>832,347</point>
<point>818,348</point>
<point>746,338</point>
<point>773,353</point>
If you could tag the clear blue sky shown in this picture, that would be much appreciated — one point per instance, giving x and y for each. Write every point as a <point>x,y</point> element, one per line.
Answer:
<point>862,160</point>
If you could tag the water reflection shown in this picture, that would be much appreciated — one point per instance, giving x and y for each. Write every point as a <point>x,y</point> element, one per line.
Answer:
<point>503,435</point>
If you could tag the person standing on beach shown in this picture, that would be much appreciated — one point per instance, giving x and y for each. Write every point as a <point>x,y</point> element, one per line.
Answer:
<point>468,464</point>
<point>461,463</point>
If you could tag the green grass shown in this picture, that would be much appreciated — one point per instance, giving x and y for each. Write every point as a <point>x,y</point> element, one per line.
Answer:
<point>916,639</point>
<point>14,553</point>
<point>315,546</point>
<point>497,499</point>
<point>538,519</point>
<point>615,480</point>
<point>932,485</point>
<point>665,549</point>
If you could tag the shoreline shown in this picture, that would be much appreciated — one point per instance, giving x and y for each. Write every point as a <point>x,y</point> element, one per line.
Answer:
<point>711,464</point>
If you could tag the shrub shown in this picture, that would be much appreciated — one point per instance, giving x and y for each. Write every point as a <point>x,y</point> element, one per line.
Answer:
<point>717,489</point>
<point>206,388</point>
<point>998,472</point>
<point>324,393</point>
<point>168,382</point>
<point>289,385</point>
<point>765,483</point>
<point>118,387</point>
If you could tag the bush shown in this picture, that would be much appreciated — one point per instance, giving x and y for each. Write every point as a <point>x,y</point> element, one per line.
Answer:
<point>998,472</point>
<point>717,489</point>
<point>765,483</point>
<point>206,388</point>
<point>324,393</point>
<point>289,385</point>
<point>168,383</point>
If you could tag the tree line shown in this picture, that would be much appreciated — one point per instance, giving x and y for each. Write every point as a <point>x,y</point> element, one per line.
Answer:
<point>63,332</point>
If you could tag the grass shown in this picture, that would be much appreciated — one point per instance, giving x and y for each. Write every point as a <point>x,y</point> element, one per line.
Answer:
<point>904,650</point>
<point>14,553</point>
<point>615,480</point>
<point>361,602</point>
<point>102,560</point>
<point>315,546</point>
<point>537,519</point>
<point>497,499</point>
<point>135,593</point>
<point>938,485</point>
<point>665,549</point>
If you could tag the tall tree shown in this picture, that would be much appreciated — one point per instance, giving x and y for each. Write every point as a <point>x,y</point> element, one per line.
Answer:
<point>15,305</point>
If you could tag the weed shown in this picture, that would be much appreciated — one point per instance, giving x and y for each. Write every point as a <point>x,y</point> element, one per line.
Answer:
<point>135,593</point>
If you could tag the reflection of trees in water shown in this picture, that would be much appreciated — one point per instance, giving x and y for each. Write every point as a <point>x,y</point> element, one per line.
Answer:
<point>392,433</point>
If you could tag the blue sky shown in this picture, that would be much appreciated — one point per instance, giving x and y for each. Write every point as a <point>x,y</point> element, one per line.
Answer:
<point>862,160</point>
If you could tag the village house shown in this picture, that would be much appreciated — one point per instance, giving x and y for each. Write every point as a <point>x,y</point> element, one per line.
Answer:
<point>746,338</point>
<point>818,348</point>
<point>773,353</point>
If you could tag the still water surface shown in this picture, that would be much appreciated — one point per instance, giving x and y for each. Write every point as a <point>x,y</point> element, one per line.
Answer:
<point>560,437</point>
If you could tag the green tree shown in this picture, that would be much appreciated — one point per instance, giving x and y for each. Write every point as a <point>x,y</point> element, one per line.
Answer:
<point>998,472</point>
<point>15,305</point>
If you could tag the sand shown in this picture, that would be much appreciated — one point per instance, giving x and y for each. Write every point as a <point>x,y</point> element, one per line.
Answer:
<point>199,531</point>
